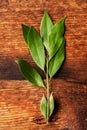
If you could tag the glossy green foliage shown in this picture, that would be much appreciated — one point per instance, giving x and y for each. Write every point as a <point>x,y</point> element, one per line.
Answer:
<point>51,104</point>
<point>45,28</point>
<point>56,37</point>
<point>30,73</point>
<point>52,35</point>
<point>36,47</point>
<point>25,30</point>
<point>56,62</point>
<point>50,40</point>
<point>43,106</point>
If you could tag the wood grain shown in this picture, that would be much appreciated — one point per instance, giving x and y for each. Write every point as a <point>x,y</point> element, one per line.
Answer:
<point>20,100</point>
<point>12,46</point>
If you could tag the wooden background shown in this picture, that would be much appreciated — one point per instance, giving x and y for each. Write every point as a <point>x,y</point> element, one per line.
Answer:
<point>19,99</point>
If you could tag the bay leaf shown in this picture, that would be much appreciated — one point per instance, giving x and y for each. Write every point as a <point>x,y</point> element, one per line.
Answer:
<point>45,28</point>
<point>36,47</point>
<point>51,104</point>
<point>30,73</point>
<point>43,106</point>
<point>25,30</point>
<point>56,62</point>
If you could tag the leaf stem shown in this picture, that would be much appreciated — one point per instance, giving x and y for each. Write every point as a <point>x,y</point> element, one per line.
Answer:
<point>48,90</point>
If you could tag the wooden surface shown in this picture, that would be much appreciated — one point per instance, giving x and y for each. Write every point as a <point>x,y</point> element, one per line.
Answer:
<point>19,100</point>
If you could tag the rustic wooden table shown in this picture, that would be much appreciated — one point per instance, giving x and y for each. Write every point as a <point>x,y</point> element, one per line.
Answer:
<point>19,99</point>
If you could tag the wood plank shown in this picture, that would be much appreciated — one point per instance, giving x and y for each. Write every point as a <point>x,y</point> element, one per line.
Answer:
<point>20,100</point>
<point>12,45</point>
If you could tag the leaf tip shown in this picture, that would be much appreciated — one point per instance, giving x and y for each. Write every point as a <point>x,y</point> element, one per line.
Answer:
<point>17,61</point>
<point>64,17</point>
<point>45,11</point>
<point>22,25</point>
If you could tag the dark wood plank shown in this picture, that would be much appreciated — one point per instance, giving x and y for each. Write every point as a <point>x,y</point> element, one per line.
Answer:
<point>12,45</point>
<point>20,100</point>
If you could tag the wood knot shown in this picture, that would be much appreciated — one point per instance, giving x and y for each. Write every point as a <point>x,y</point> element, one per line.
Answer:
<point>39,120</point>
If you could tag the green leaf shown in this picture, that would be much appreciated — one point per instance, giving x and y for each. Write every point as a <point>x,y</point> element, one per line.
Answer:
<point>43,106</point>
<point>30,73</point>
<point>56,62</point>
<point>56,37</point>
<point>36,47</point>
<point>25,30</point>
<point>45,28</point>
<point>59,27</point>
<point>54,46</point>
<point>51,104</point>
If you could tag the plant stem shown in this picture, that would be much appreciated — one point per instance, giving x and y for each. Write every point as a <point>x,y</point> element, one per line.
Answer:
<point>48,90</point>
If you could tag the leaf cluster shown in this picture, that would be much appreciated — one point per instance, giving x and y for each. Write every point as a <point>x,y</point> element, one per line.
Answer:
<point>50,41</point>
<point>43,105</point>
<point>48,44</point>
